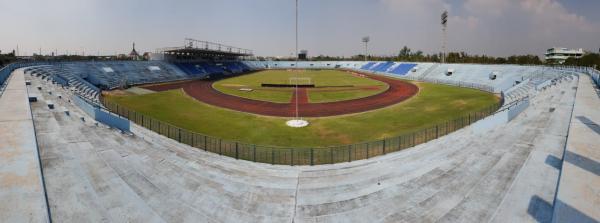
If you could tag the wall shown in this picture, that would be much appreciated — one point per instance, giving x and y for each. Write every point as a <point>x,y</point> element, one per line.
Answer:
<point>517,109</point>
<point>102,116</point>
<point>501,117</point>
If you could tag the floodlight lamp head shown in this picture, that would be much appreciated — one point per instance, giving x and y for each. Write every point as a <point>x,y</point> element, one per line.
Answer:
<point>366,39</point>
<point>444,18</point>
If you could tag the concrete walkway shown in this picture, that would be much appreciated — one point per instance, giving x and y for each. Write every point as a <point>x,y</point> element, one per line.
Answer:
<point>22,196</point>
<point>578,198</point>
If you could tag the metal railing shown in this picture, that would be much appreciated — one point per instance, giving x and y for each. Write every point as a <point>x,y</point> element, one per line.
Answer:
<point>300,156</point>
<point>595,74</point>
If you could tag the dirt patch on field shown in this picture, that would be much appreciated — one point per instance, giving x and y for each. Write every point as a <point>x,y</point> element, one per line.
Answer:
<point>325,133</point>
<point>202,90</point>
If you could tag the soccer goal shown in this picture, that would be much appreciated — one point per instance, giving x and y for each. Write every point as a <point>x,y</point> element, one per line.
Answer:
<point>300,81</point>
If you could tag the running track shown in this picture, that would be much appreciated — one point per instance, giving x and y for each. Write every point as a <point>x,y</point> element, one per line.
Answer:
<point>203,91</point>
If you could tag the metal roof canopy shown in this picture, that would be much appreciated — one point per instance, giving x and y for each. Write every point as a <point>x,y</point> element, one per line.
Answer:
<point>197,47</point>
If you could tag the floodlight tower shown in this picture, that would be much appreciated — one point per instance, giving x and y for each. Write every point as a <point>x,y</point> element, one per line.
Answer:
<point>366,40</point>
<point>444,28</point>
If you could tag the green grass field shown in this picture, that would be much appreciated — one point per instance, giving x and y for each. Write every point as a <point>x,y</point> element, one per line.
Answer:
<point>316,95</point>
<point>434,104</point>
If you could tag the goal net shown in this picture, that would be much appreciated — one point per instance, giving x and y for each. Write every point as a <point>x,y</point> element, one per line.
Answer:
<point>300,81</point>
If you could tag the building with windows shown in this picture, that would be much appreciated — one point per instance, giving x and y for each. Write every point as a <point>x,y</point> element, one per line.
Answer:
<point>560,55</point>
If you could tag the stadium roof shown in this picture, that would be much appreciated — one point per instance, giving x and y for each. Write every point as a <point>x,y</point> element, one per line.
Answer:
<point>197,47</point>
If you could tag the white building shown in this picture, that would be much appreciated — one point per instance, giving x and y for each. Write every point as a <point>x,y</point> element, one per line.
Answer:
<point>559,55</point>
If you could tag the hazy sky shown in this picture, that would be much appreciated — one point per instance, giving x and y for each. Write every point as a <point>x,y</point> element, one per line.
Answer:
<point>332,27</point>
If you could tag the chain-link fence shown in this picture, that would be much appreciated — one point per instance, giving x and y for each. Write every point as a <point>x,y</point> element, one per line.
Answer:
<point>300,156</point>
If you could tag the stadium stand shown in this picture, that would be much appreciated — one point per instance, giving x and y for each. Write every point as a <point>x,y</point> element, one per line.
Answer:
<point>89,78</point>
<point>66,79</point>
<point>507,174</point>
<point>505,76</point>
<point>202,69</point>
<point>497,176</point>
<point>192,69</point>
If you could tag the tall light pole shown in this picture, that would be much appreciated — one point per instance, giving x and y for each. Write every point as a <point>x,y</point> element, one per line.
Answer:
<point>297,59</point>
<point>297,122</point>
<point>366,40</point>
<point>444,27</point>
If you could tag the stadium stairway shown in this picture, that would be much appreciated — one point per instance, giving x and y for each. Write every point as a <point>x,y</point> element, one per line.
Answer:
<point>500,175</point>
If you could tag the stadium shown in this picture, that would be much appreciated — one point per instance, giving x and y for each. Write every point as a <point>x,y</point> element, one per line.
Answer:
<point>207,132</point>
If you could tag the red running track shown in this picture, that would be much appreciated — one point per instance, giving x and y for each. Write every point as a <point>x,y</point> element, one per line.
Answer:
<point>203,91</point>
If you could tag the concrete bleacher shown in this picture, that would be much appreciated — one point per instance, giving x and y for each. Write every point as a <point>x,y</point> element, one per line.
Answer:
<point>578,197</point>
<point>88,79</point>
<point>22,192</point>
<point>507,174</point>
<point>201,69</point>
<point>113,74</point>
<point>67,79</point>
<point>507,76</point>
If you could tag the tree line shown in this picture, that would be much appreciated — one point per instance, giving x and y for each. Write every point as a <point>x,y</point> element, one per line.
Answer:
<point>588,60</point>
<point>405,54</point>
<point>408,55</point>
<point>6,59</point>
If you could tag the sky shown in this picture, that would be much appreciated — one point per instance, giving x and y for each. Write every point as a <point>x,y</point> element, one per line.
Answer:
<point>328,27</point>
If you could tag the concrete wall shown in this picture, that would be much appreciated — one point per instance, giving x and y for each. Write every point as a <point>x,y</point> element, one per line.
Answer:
<point>86,107</point>
<point>517,109</point>
<point>543,85</point>
<point>102,116</point>
<point>112,120</point>
<point>490,122</point>
<point>500,118</point>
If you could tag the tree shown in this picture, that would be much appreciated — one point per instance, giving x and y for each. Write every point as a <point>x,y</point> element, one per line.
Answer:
<point>404,53</point>
<point>588,60</point>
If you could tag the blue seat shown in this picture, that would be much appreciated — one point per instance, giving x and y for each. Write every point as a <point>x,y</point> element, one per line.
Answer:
<point>367,66</point>
<point>382,67</point>
<point>403,69</point>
